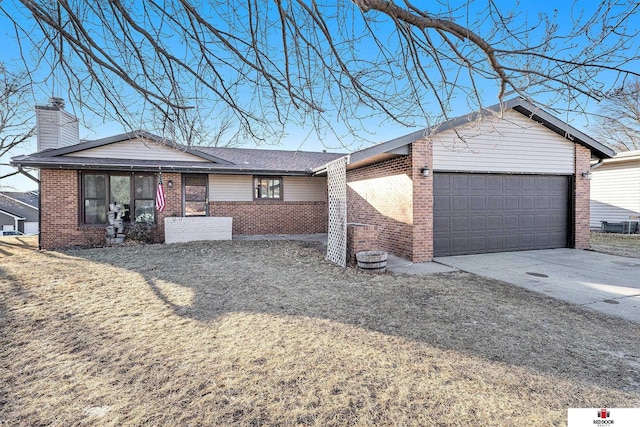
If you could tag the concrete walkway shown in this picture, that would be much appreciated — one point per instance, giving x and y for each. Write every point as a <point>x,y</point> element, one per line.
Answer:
<point>606,283</point>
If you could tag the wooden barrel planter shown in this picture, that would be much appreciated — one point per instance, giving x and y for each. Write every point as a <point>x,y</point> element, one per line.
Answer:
<point>372,261</point>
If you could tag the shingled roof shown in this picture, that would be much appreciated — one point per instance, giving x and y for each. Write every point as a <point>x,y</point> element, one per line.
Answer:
<point>271,159</point>
<point>217,159</point>
<point>22,205</point>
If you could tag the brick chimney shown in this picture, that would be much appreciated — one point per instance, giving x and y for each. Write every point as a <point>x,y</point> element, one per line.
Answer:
<point>56,128</point>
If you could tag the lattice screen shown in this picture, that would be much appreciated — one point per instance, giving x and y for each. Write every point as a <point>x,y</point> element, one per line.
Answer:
<point>337,191</point>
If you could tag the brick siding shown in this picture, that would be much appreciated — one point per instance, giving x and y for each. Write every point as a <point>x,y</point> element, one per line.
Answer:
<point>273,217</point>
<point>421,156</point>
<point>61,226</point>
<point>375,189</point>
<point>60,211</point>
<point>581,190</point>
<point>360,237</point>
<point>370,194</point>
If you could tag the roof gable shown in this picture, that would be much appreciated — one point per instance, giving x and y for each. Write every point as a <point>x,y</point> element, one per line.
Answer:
<point>138,148</point>
<point>391,148</point>
<point>113,147</point>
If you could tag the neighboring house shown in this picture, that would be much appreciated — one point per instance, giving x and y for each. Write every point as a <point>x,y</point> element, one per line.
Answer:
<point>485,182</point>
<point>615,189</point>
<point>19,211</point>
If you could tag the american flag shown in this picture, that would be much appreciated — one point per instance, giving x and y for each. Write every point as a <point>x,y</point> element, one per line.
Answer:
<point>160,199</point>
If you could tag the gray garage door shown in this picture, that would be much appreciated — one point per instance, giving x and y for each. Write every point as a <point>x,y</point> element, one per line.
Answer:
<point>480,213</point>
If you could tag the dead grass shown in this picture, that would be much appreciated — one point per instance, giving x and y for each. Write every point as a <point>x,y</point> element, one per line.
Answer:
<point>616,244</point>
<point>268,333</point>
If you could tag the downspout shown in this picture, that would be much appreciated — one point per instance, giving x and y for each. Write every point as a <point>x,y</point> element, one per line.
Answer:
<point>597,164</point>
<point>25,173</point>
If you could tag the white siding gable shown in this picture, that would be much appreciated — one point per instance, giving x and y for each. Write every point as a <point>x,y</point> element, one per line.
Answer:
<point>512,144</point>
<point>138,149</point>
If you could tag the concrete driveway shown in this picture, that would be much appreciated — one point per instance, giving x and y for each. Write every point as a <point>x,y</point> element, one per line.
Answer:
<point>605,283</point>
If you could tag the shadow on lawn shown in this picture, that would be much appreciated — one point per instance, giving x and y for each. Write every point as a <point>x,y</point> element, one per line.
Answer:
<point>455,311</point>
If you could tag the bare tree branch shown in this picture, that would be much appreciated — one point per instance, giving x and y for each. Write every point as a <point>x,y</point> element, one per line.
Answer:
<point>334,65</point>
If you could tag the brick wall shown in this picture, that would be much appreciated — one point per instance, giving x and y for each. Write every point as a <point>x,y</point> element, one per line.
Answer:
<point>382,195</point>
<point>360,237</point>
<point>581,190</point>
<point>173,198</point>
<point>394,196</point>
<point>421,156</point>
<point>273,217</point>
<point>60,211</point>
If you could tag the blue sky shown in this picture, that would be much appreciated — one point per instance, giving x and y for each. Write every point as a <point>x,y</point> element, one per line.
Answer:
<point>305,138</point>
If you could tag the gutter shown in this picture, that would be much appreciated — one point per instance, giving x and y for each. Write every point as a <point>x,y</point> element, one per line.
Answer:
<point>597,164</point>
<point>168,168</point>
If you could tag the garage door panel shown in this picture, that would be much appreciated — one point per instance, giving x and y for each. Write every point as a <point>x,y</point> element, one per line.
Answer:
<point>460,245</point>
<point>459,182</point>
<point>477,223</point>
<point>511,242</point>
<point>528,241</point>
<point>558,202</point>
<point>558,221</point>
<point>477,244</point>
<point>459,203</point>
<point>511,222</point>
<point>542,202</point>
<point>527,222</point>
<point>476,213</point>
<point>460,224</point>
<point>495,223</point>
<point>440,203</point>
<point>495,202</point>
<point>441,245</point>
<point>511,202</point>
<point>543,239</point>
<point>543,221</point>
<point>477,182</point>
<point>527,202</point>
<point>442,224</point>
<point>494,243</point>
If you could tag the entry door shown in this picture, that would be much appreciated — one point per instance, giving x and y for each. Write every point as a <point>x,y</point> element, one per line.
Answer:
<point>195,195</point>
<point>481,213</point>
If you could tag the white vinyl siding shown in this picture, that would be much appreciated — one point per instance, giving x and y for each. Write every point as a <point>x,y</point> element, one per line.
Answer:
<point>513,144</point>
<point>303,189</point>
<point>138,149</point>
<point>230,188</point>
<point>239,188</point>
<point>56,129</point>
<point>615,193</point>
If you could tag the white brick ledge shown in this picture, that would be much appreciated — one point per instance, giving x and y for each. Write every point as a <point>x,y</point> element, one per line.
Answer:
<point>189,229</point>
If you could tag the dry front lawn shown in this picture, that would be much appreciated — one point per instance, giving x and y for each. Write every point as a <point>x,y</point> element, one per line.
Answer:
<point>257,333</point>
<point>616,244</point>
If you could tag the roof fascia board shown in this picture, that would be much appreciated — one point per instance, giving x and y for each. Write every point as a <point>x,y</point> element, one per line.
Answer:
<point>18,217</point>
<point>387,147</point>
<point>165,168</point>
